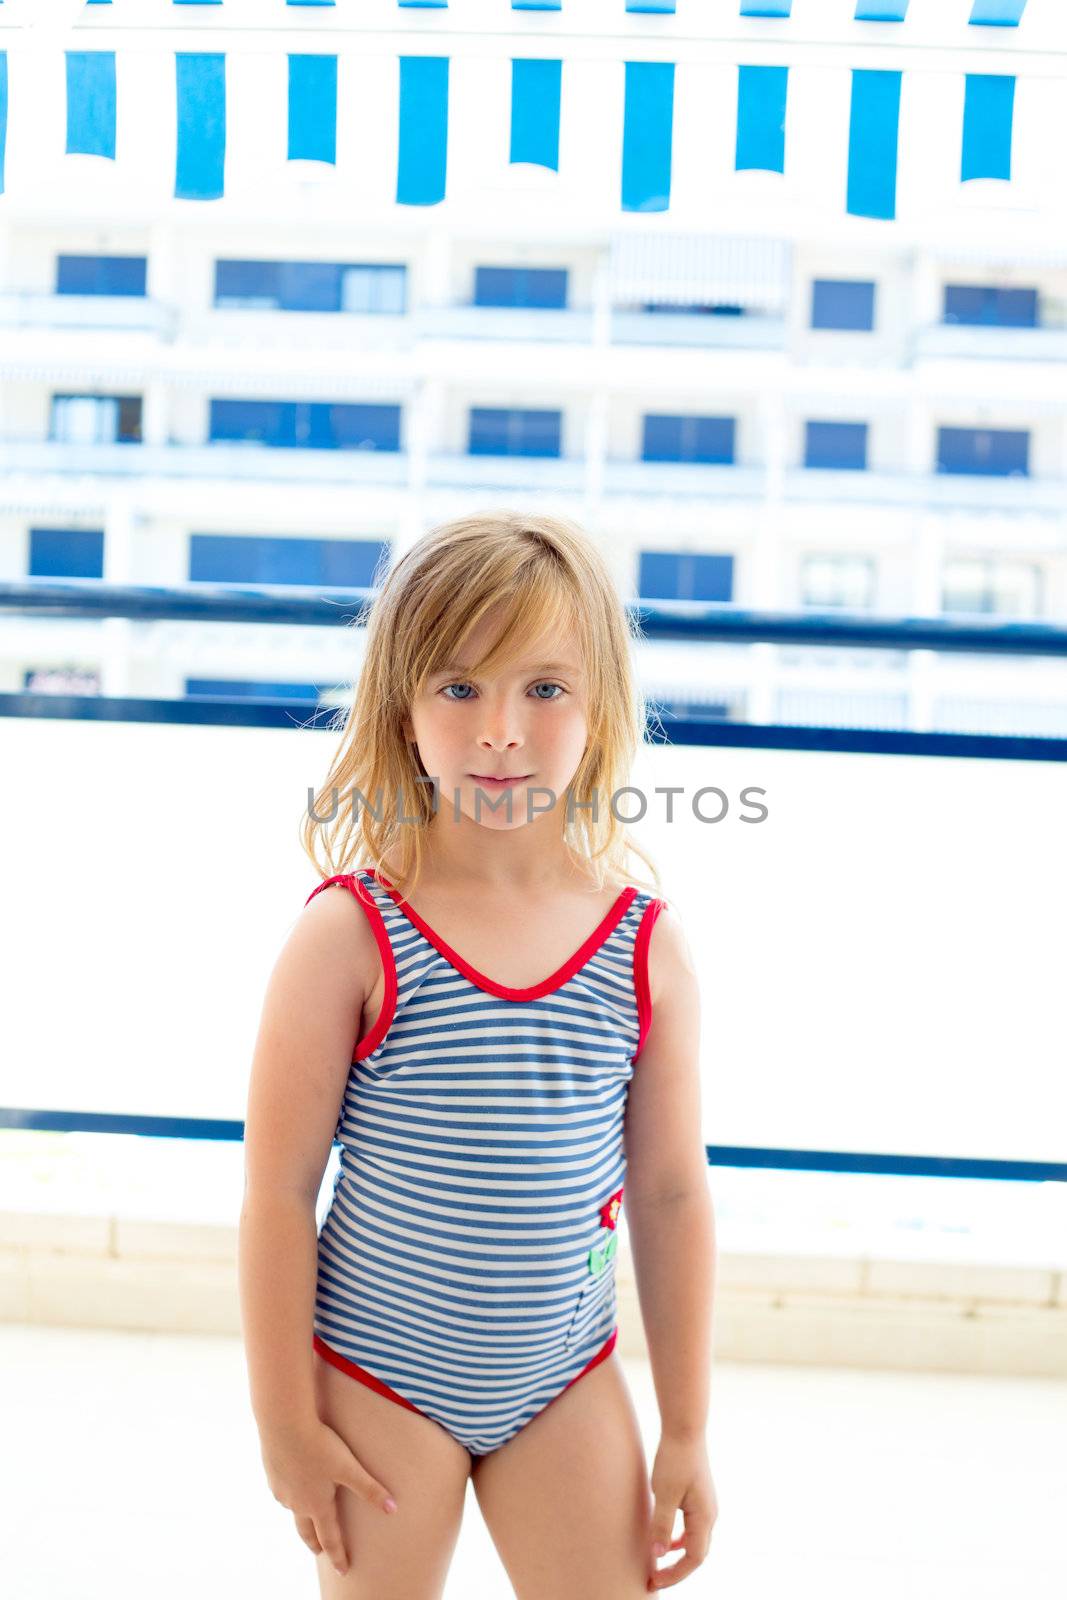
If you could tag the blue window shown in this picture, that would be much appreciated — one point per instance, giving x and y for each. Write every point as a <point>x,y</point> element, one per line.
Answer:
<point>257,558</point>
<point>310,286</point>
<point>66,553</point>
<point>842,303</point>
<point>986,305</point>
<point>496,432</point>
<point>96,419</point>
<point>249,689</point>
<point>1000,452</point>
<point>306,424</point>
<point>669,438</point>
<point>101,274</point>
<point>541,287</point>
<point>836,444</point>
<point>684,575</point>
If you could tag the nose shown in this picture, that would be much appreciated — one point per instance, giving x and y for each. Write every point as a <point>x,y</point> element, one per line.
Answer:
<point>500,727</point>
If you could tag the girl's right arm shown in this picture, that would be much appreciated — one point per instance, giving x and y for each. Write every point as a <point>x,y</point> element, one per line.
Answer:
<point>310,1021</point>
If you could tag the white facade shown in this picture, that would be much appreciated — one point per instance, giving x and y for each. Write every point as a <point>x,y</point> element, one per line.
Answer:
<point>898,538</point>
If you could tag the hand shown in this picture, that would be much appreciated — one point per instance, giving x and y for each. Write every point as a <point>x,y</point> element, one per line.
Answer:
<point>681,1478</point>
<point>304,1465</point>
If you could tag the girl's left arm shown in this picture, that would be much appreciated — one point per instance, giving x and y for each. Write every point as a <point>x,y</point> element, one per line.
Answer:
<point>671,1228</point>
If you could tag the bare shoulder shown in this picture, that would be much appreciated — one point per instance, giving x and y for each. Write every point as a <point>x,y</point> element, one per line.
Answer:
<point>670,960</point>
<point>334,932</point>
<point>308,1028</point>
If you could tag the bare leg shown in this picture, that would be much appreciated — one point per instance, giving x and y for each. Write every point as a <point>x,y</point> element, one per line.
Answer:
<point>567,1501</point>
<point>405,1555</point>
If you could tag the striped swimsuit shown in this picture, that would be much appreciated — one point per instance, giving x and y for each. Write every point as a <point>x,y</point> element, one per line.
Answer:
<point>466,1264</point>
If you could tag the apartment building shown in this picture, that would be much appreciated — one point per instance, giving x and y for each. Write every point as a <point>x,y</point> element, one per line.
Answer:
<point>775,407</point>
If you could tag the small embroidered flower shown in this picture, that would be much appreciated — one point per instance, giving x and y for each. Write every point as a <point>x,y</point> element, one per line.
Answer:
<point>609,1212</point>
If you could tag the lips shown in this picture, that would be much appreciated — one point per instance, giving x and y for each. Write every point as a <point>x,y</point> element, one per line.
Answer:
<point>485,777</point>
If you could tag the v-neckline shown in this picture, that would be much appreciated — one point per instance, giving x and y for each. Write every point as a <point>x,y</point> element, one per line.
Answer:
<point>534,990</point>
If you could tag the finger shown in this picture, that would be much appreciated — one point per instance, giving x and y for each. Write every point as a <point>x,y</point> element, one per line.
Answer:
<point>661,1526</point>
<point>306,1529</point>
<point>328,1530</point>
<point>367,1488</point>
<point>666,1576</point>
<point>696,1552</point>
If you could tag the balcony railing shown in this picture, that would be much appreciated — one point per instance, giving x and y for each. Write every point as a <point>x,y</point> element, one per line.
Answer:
<point>857,918</point>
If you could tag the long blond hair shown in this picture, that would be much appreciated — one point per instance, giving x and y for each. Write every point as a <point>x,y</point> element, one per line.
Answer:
<point>542,571</point>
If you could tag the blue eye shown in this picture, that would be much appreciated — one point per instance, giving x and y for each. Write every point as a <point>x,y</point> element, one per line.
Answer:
<point>544,684</point>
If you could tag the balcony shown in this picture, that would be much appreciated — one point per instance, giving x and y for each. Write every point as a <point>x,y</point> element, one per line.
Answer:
<point>94,312</point>
<point>965,341</point>
<point>246,463</point>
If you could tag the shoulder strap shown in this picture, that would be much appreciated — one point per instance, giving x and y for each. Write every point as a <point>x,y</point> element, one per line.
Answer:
<point>350,880</point>
<point>641,985</point>
<point>358,887</point>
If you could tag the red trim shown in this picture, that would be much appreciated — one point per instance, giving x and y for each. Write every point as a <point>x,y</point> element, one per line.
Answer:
<point>641,988</point>
<point>601,1355</point>
<point>535,990</point>
<point>344,1365</point>
<point>380,1027</point>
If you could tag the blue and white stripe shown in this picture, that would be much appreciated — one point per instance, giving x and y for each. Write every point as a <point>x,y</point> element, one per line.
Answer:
<point>876,108</point>
<point>480,1139</point>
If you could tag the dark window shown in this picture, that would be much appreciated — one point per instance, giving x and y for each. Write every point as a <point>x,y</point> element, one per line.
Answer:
<point>101,274</point>
<point>96,418</point>
<point>66,553</point>
<point>688,439</point>
<point>495,432</point>
<point>842,303</point>
<point>60,680</point>
<point>306,424</point>
<point>684,575</point>
<point>835,444</point>
<point>309,286</point>
<point>695,308</point>
<point>540,287</point>
<point>984,305</point>
<point>249,689</point>
<point>259,558</point>
<point>1002,452</point>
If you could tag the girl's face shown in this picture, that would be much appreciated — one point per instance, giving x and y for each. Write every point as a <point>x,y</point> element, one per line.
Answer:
<point>528,722</point>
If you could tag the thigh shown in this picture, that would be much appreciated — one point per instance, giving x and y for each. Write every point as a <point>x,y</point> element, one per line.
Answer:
<point>567,1501</point>
<point>404,1555</point>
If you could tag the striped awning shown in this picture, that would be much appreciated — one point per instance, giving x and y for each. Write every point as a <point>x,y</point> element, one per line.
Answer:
<point>724,269</point>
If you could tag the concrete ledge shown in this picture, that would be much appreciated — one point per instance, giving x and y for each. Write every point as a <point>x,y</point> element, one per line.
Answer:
<point>952,1316</point>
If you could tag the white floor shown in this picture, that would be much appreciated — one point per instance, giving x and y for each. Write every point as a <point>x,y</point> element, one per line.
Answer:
<point>130,1467</point>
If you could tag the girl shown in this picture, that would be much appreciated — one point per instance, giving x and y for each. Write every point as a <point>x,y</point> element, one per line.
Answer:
<point>455,1316</point>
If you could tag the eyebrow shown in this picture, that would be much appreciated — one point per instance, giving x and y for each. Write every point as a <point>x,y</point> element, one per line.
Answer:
<point>541,666</point>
